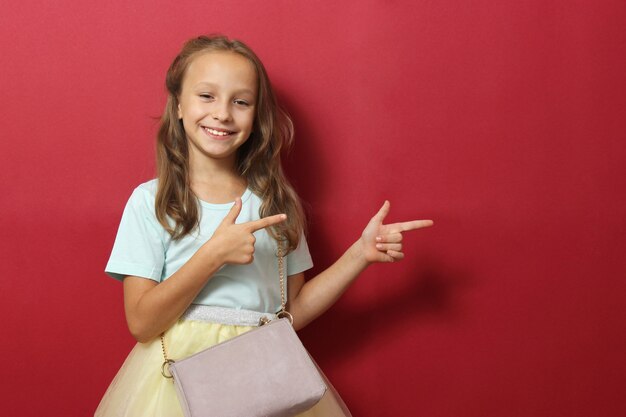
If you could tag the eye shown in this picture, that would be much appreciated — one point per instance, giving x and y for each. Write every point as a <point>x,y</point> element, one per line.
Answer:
<point>241,102</point>
<point>206,96</point>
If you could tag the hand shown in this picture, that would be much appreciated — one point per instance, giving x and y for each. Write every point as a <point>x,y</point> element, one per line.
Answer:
<point>235,242</point>
<point>383,242</point>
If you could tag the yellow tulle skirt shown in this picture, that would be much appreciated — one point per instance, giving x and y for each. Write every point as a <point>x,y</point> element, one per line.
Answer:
<point>140,390</point>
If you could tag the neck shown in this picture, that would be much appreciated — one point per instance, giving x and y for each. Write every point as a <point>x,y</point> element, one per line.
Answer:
<point>216,180</point>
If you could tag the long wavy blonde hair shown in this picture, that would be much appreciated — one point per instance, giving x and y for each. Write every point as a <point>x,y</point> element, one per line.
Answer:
<point>258,159</point>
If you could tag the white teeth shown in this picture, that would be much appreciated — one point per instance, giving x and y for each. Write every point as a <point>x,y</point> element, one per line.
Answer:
<point>216,132</point>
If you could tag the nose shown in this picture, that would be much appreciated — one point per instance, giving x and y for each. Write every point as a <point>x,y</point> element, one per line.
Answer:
<point>221,111</point>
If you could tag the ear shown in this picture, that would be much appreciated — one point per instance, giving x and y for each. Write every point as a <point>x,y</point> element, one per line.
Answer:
<point>180,114</point>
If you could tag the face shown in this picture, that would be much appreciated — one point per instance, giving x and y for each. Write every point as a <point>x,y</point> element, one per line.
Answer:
<point>217,105</point>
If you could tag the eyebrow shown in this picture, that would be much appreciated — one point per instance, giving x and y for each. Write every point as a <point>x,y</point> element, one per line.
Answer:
<point>211,85</point>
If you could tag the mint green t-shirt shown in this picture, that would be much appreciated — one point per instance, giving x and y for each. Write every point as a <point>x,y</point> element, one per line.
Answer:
<point>143,248</point>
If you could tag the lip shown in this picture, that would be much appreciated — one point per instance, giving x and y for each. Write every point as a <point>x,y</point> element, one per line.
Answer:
<point>229,134</point>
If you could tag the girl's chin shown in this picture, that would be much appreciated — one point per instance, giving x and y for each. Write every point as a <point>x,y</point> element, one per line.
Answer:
<point>211,153</point>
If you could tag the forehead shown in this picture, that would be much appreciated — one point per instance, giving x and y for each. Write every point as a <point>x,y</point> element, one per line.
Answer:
<point>222,69</point>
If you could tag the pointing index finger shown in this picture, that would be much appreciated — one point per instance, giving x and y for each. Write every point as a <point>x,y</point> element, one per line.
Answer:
<point>266,222</point>
<point>406,226</point>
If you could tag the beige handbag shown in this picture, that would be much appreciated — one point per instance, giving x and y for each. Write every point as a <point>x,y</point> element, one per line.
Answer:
<point>265,372</point>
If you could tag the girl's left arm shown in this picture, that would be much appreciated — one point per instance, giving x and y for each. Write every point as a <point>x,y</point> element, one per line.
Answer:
<point>378,243</point>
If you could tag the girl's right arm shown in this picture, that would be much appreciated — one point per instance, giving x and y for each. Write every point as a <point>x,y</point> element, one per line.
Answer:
<point>151,307</point>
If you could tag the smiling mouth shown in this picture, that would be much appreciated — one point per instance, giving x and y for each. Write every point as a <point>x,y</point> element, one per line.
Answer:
<point>216,132</point>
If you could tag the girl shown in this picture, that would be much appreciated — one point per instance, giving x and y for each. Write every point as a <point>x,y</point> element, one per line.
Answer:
<point>196,247</point>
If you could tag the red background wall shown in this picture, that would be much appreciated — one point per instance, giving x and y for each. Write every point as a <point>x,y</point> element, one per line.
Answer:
<point>502,121</point>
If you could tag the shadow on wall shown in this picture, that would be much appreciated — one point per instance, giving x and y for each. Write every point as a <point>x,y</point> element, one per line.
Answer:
<point>304,160</point>
<point>430,288</point>
<point>431,291</point>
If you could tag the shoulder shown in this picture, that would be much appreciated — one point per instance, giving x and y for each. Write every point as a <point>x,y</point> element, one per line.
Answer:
<point>144,193</point>
<point>140,208</point>
<point>142,199</point>
<point>148,187</point>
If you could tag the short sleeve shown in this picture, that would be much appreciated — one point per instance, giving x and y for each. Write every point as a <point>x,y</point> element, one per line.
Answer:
<point>299,260</point>
<point>139,245</point>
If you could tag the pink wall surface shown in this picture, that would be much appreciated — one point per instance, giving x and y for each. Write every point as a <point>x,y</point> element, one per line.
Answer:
<point>503,121</point>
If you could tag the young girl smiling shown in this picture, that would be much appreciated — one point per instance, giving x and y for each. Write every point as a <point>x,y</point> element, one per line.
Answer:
<point>197,247</point>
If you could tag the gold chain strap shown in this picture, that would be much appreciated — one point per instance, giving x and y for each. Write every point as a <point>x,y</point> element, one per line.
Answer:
<point>282,313</point>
